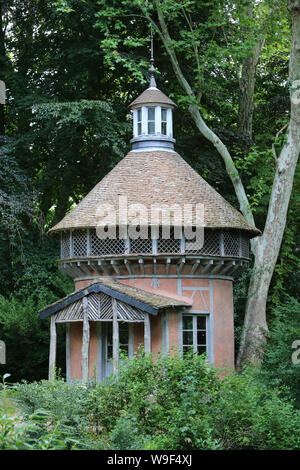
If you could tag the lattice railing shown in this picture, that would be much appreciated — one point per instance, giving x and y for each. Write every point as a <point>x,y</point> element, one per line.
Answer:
<point>79,240</point>
<point>107,246</point>
<point>65,245</point>
<point>141,246</point>
<point>170,244</point>
<point>231,244</point>
<point>245,246</point>
<point>85,243</point>
<point>211,245</point>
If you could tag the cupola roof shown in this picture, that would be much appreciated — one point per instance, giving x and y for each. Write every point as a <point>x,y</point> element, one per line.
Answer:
<point>155,177</point>
<point>150,96</point>
<point>150,176</point>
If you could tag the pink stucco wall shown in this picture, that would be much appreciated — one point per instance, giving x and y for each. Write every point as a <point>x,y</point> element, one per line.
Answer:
<point>223,323</point>
<point>204,295</point>
<point>75,346</point>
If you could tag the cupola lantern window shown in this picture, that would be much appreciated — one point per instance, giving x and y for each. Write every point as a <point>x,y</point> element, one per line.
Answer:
<point>139,121</point>
<point>151,120</point>
<point>163,121</point>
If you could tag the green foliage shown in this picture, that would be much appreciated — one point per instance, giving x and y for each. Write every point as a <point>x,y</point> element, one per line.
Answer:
<point>170,404</point>
<point>59,411</point>
<point>126,434</point>
<point>16,199</point>
<point>71,68</point>
<point>36,282</point>
<point>278,368</point>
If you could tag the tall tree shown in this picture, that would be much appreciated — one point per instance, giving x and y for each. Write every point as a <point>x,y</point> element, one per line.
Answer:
<point>183,28</point>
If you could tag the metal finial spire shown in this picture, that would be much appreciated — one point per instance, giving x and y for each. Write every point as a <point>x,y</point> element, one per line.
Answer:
<point>152,68</point>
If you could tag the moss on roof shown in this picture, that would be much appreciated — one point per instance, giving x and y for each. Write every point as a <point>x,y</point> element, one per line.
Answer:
<point>155,177</point>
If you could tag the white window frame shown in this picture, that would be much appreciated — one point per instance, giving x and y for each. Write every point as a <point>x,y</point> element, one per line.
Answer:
<point>150,120</point>
<point>194,329</point>
<point>103,369</point>
<point>164,121</point>
<point>139,128</point>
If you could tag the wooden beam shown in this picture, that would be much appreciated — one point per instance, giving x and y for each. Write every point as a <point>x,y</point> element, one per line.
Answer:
<point>103,267</point>
<point>84,267</point>
<point>96,269</point>
<point>168,262</point>
<point>195,266</point>
<point>217,267</point>
<point>115,337</point>
<point>78,272</point>
<point>238,269</point>
<point>67,269</point>
<point>85,342</point>
<point>207,266</point>
<point>68,353</point>
<point>155,266</point>
<point>99,351</point>
<point>141,263</point>
<point>180,266</point>
<point>115,266</point>
<point>147,334</point>
<point>227,267</point>
<point>52,352</point>
<point>128,267</point>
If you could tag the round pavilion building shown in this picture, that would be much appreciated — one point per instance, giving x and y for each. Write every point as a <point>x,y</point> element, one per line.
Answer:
<point>147,284</point>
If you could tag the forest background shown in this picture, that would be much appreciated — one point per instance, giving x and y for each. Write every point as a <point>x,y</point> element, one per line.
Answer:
<point>71,68</point>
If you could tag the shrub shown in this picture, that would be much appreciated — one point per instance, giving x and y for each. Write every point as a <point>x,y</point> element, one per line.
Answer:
<point>249,415</point>
<point>181,403</point>
<point>170,403</point>
<point>58,409</point>
<point>278,368</point>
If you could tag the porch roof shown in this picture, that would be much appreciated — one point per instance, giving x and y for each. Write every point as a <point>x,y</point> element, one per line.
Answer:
<point>138,298</point>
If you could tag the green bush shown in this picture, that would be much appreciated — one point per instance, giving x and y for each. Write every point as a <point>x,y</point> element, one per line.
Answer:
<point>249,415</point>
<point>59,409</point>
<point>126,434</point>
<point>278,368</point>
<point>184,404</point>
<point>170,403</point>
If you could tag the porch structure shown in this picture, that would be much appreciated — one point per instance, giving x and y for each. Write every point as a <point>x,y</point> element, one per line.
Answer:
<point>112,305</point>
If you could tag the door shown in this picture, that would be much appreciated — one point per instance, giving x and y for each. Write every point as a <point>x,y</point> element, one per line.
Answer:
<point>125,341</point>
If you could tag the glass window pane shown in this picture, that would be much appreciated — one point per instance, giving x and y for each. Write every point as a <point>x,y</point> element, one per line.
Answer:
<point>187,338</point>
<point>151,128</point>
<point>151,114</point>
<point>201,350</point>
<point>164,128</point>
<point>139,113</point>
<point>123,337</point>
<point>201,337</point>
<point>201,323</point>
<point>187,349</point>
<point>163,114</point>
<point>124,348</point>
<point>187,322</point>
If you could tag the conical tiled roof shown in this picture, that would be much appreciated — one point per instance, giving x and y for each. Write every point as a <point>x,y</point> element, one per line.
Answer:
<point>155,177</point>
<point>152,95</point>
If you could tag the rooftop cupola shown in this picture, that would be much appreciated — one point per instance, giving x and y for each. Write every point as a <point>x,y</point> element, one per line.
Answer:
<point>152,117</point>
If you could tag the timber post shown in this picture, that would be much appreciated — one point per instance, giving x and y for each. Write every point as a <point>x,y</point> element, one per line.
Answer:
<point>85,342</point>
<point>115,337</point>
<point>147,334</point>
<point>52,352</point>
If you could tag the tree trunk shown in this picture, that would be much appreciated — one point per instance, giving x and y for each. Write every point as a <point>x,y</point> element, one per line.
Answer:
<point>268,246</point>
<point>247,85</point>
<point>2,67</point>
